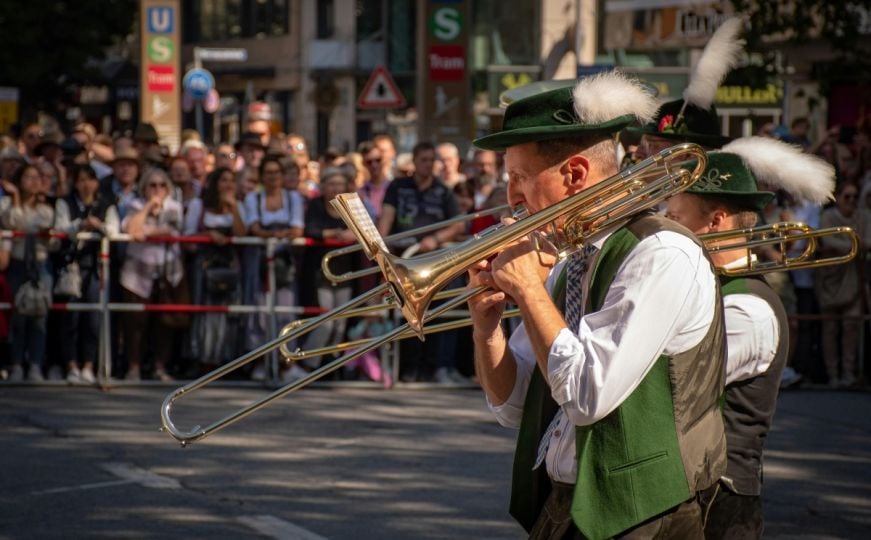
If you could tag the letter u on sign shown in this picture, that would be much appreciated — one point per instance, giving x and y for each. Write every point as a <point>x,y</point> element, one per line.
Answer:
<point>160,19</point>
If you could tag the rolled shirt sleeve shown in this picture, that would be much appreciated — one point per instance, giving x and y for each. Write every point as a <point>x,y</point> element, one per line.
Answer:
<point>752,336</point>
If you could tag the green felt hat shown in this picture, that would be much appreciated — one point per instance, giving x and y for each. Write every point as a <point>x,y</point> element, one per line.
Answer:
<point>696,125</point>
<point>728,178</point>
<point>577,110</point>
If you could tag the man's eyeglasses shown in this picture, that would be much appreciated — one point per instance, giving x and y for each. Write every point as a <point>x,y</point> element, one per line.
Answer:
<point>227,155</point>
<point>298,147</point>
<point>372,161</point>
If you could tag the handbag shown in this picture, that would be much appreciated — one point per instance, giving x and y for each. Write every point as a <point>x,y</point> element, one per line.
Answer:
<point>167,293</point>
<point>33,297</point>
<point>285,269</point>
<point>69,281</point>
<point>221,280</point>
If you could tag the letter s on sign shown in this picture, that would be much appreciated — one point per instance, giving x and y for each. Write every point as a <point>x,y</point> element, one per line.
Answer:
<point>446,23</point>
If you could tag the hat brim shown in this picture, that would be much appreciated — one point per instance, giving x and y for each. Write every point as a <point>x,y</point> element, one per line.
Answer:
<point>710,141</point>
<point>505,139</point>
<point>741,199</point>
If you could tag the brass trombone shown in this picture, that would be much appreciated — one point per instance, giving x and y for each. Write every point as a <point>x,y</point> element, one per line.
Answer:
<point>779,235</point>
<point>414,283</point>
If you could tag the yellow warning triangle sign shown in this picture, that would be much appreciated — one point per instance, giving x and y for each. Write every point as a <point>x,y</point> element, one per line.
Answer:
<point>380,92</point>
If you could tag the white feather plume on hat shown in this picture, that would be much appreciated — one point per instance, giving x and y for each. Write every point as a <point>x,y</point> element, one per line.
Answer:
<point>720,56</point>
<point>784,166</point>
<point>608,95</point>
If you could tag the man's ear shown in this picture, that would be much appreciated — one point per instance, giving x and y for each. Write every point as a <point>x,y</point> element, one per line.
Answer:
<point>576,169</point>
<point>718,221</point>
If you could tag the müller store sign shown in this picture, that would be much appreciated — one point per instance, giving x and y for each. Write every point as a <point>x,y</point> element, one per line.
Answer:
<point>770,95</point>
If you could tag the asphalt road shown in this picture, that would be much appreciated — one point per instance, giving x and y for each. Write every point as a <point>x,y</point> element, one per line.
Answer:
<point>350,463</point>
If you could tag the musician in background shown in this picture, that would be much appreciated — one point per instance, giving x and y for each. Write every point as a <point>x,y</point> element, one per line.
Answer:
<point>615,374</point>
<point>724,199</point>
<point>693,118</point>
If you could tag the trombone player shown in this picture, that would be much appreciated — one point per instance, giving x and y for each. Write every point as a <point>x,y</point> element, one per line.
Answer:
<point>727,198</point>
<point>614,375</point>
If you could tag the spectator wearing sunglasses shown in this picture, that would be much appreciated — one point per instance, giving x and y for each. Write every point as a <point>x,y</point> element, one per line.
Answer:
<point>154,213</point>
<point>373,190</point>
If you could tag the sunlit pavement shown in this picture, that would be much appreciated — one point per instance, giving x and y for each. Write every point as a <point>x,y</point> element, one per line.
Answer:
<point>350,463</point>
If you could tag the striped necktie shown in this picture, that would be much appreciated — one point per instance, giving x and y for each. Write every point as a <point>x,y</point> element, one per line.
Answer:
<point>578,263</point>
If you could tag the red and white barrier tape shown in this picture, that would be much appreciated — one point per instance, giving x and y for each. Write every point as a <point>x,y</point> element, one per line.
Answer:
<point>178,308</point>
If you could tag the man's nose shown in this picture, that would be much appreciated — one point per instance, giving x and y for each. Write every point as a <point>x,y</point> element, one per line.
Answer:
<point>514,195</point>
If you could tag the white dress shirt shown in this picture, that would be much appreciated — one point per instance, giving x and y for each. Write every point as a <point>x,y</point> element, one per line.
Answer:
<point>752,333</point>
<point>661,301</point>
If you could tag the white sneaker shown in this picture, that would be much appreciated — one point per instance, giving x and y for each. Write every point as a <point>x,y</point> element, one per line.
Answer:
<point>17,374</point>
<point>848,380</point>
<point>55,374</point>
<point>294,373</point>
<point>74,376</point>
<point>34,374</point>
<point>443,376</point>
<point>458,377</point>
<point>133,375</point>
<point>790,378</point>
<point>258,373</point>
<point>87,375</point>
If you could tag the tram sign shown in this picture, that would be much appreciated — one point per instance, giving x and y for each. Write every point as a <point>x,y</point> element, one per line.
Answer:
<point>159,76</point>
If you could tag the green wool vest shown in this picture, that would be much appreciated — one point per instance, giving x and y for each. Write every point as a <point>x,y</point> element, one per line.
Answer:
<point>664,443</point>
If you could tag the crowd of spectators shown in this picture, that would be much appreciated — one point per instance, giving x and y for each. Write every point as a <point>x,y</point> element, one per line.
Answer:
<point>265,186</point>
<point>270,186</point>
<point>826,350</point>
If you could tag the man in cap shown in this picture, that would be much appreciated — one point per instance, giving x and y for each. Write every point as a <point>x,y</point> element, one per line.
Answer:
<point>121,185</point>
<point>251,149</point>
<point>727,198</point>
<point>145,137</point>
<point>614,375</point>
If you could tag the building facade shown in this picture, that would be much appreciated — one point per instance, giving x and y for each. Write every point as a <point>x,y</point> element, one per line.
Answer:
<point>451,60</point>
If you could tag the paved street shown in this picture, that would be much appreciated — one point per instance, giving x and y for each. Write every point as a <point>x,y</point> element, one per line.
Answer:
<point>349,463</point>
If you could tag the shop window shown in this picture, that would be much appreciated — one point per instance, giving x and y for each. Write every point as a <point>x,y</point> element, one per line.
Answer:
<point>326,19</point>
<point>495,35</point>
<point>216,20</point>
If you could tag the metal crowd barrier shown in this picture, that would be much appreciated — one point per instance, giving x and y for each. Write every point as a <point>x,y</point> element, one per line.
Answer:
<point>104,363</point>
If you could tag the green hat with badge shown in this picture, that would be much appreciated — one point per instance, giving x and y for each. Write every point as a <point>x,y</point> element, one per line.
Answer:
<point>728,179</point>
<point>694,117</point>
<point>733,175</point>
<point>598,105</point>
<point>681,122</point>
